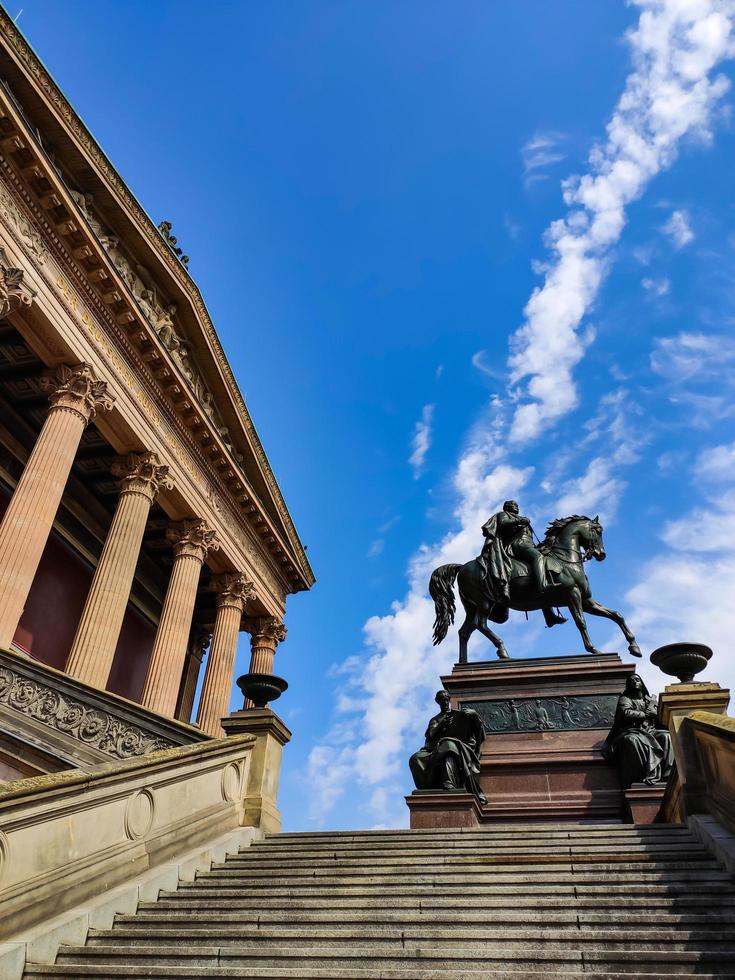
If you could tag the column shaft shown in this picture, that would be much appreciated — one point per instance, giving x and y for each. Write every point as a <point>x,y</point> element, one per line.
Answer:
<point>215,699</point>
<point>93,649</point>
<point>192,666</point>
<point>27,523</point>
<point>96,638</point>
<point>192,540</point>
<point>169,649</point>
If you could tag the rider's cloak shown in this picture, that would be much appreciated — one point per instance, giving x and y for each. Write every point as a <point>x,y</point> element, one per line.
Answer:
<point>495,561</point>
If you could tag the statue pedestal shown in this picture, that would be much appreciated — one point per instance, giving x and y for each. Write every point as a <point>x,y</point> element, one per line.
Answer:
<point>643,802</point>
<point>546,720</point>
<point>432,809</point>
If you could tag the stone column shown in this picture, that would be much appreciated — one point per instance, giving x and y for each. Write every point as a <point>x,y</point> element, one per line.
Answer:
<point>233,591</point>
<point>76,396</point>
<point>198,644</point>
<point>93,649</point>
<point>192,540</point>
<point>266,632</point>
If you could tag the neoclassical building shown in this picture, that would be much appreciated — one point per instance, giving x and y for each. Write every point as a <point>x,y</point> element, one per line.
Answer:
<point>141,523</point>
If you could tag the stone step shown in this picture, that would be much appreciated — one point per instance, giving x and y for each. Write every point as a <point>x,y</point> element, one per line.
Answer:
<point>667,960</point>
<point>611,918</point>
<point>481,841</point>
<point>509,874</point>
<point>616,826</point>
<point>552,855</point>
<point>234,901</point>
<point>378,936</point>
<point>104,972</point>
<point>655,846</point>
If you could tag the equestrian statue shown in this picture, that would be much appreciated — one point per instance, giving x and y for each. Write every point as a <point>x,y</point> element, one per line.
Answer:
<point>514,572</point>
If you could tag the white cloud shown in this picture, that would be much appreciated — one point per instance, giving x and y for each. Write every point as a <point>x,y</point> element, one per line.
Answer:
<point>376,548</point>
<point>717,463</point>
<point>479,362</point>
<point>670,94</point>
<point>656,287</point>
<point>597,491</point>
<point>421,441</point>
<point>675,47</point>
<point>540,153</point>
<point>678,229</point>
<point>692,355</point>
<point>685,592</point>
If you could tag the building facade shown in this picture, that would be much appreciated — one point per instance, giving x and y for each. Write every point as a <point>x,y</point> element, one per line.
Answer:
<point>141,523</point>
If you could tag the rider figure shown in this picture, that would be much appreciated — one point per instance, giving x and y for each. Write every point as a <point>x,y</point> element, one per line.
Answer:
<point>508,535</point>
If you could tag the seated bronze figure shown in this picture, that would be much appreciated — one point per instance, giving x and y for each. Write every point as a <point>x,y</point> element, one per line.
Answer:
<point>640,748</point>
<point>449,759</point>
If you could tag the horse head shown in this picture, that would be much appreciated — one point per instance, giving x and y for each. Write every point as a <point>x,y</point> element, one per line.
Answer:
<point>577,530</point>
<point>590,537</point>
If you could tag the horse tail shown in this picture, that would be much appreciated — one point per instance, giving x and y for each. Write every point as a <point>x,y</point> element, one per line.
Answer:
<point>441,591</point>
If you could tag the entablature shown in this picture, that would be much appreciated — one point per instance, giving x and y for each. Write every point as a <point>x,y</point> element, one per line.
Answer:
<point>157,306</point>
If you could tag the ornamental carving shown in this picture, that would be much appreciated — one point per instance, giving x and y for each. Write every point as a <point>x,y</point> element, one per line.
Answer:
<point>79,389</point>
<point>99,729</point>
<point>266,630</point>
<point>14,217</point>
<point>142,473</point>
<point>192,538</point>
<point>232,589</point>
<point>567,713</point>
<point>158,313</point>
<point>13,293</point>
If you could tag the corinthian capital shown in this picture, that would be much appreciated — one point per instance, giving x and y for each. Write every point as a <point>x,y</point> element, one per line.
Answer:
<point>78,389</point>
<point>266,629</point>
<point>192,538</point>
<point>142,473</point>
<point>13,291</point>
<point>232,589</point>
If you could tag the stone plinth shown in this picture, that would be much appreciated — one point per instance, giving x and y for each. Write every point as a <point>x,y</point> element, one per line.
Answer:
<point>675,703</point>
<point>546,720</point>
<point>261,792</point>
<point>434,809</point>
<point>643,802</point>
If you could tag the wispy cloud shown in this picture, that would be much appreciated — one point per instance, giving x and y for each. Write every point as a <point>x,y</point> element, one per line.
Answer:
<point>679,229</point>
<point>656,287</point>
<point>671,93</point>
<point>693,355</point>
<point>539,154</point>
<point>421,441</point>
<point>479,361</point>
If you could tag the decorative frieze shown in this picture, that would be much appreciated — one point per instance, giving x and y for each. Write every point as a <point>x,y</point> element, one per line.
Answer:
<point>99,729</point>
<point>566,713</point>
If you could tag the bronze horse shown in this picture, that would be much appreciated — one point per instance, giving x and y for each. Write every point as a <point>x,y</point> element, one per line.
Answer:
<point>569,542</point>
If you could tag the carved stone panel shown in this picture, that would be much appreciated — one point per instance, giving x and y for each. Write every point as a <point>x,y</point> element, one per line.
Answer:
<point>566,713</point>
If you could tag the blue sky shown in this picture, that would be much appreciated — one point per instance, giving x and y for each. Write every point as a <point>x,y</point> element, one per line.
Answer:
<point>365,190</point>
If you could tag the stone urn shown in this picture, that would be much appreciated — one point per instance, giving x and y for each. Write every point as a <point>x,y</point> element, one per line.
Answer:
<point>682,660</point>
<point>261,688</point>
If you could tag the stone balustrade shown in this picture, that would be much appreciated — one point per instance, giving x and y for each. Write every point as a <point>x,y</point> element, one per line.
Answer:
<point>68,837</point>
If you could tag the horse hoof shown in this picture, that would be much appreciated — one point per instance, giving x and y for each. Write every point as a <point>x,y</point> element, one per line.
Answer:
<point>634,650</point>
<point>503,655</point>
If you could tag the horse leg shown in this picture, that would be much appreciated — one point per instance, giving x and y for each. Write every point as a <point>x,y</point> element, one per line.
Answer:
<point>597,609</point>
<point>465,632</point>
<point>482,626</point>
<point>575,608</point>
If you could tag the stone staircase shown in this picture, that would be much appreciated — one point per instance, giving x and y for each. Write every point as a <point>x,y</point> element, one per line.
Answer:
<point>507,901</point>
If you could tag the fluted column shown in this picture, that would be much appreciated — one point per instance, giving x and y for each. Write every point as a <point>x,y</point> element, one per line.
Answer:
<point>93,649</point>
<point>266,632</point>
<point>76,395</point>
<point>233,592</point>
<point>192,540</point>
<point>197,645</point>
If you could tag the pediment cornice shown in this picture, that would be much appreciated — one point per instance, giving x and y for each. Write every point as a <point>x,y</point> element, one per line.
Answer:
<point>267,506</point>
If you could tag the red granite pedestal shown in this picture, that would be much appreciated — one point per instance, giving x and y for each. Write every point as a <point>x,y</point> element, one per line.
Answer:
<point>643,802</point>
<point>545,720</point>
